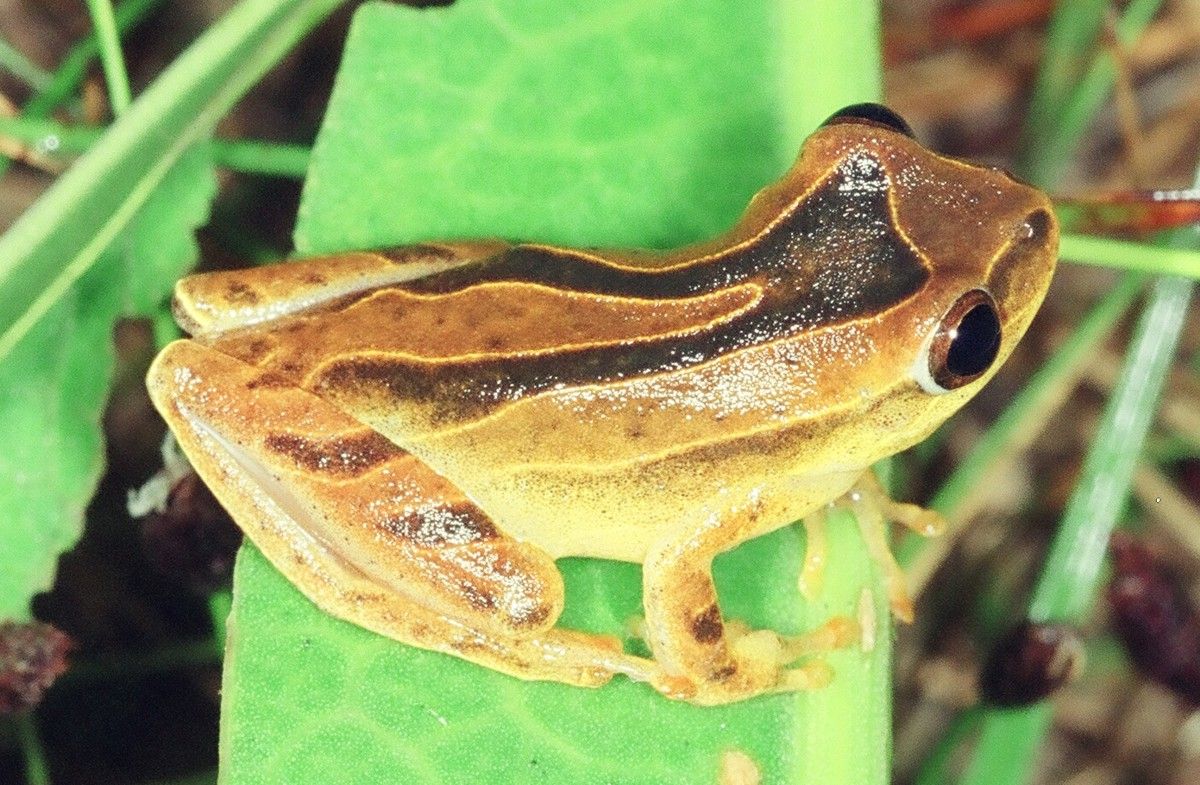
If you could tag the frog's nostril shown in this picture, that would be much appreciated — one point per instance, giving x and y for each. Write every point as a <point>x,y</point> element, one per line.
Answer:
<point>1036,227</point>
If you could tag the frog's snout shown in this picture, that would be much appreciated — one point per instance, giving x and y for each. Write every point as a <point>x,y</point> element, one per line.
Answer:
<point>1021,274</point>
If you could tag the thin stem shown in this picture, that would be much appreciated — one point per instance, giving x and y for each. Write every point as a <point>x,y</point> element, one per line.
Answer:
<point>265,158</point>
<point>1070,579</point>
<point>180,656</point>
<point>1065,101</point>
<point>37,769</point>
<point>219,605</point>
<point>1071,575</point>
<point>203,778</point>
<point>1126,255</point>
<point>70,73</point>
<point>934,770</point>
<point>73,68</point>
<point>22,67</point>
<point>111,56</point>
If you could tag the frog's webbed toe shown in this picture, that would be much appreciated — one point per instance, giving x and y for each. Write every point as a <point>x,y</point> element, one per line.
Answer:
<point>369,532</point>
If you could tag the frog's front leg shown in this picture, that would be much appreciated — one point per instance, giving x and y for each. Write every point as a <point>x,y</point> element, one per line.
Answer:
<point>368,531</point>
<point>873,509</point>
<point>707,660</point>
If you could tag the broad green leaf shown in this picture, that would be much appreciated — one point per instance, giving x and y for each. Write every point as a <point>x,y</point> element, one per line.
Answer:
<point>56,381</point>
<point>590,122</point>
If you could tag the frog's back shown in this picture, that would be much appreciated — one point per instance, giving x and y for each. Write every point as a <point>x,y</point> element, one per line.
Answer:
<point>569,389</point>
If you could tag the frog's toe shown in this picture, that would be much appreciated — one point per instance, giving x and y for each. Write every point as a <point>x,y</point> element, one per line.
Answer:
<point>838,632</point>
<point>809,676</point>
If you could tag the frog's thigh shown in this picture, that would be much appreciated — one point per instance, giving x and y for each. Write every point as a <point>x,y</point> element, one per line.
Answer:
<point>688,634</point>
<point>366,530</point>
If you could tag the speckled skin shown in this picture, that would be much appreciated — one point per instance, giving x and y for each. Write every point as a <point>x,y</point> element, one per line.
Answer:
<point>412,436</point>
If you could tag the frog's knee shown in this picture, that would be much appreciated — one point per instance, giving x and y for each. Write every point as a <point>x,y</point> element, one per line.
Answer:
<point>518,592</point>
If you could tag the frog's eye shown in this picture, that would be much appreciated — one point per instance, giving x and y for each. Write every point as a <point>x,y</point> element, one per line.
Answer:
<point>871,114</point>
<point>964,345</point>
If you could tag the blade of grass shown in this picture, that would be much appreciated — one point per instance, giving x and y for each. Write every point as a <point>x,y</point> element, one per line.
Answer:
<point>1071,576</point>
<point>37,768</point>
<point>266,158</point>
<point>1011,738</point>
<point>111,56</point>
<point>1126,255</point>
<point>22,67</point>
<point>62,235</point>
<point>1070,42</point>
<point>73,68</point>
<point>203,778</point>
<point>936,767</point>
<point>70,73</point>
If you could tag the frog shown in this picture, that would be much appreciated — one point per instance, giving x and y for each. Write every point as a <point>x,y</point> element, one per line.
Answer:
<point>414,435</point>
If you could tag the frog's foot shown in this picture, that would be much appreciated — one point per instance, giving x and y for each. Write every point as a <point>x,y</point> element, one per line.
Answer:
<point>762,662</point>
<point>369,532</point>
<point>704,659</point>
<point>770,655</point>
<point>874,509</point>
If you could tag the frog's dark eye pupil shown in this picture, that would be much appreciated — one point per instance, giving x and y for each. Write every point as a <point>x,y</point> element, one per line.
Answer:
<point>966,342</point>
<point>872,114</point>
<point>975,342</point>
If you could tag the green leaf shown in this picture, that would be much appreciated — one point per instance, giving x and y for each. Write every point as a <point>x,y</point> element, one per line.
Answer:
<point>56,382</point>
<point>605,122</point>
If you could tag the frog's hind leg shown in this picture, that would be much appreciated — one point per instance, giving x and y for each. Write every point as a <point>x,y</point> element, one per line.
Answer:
<point>211,303</point>
<point>368,531</point>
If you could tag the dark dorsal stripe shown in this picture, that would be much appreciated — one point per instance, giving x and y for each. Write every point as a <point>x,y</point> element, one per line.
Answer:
<point>837,256</point>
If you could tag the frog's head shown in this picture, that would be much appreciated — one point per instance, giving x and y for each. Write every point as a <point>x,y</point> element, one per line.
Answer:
<point>947,264</point>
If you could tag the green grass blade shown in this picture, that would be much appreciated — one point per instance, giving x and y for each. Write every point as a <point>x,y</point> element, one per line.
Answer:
<point>71,72</point>
<point>56,382</point>
<point>265,158</point>
<point>273,159</point>
<point>1126,255</point>
<point>1071,575</point>
<point>1070,579</point>
<point>1062,107</point>
<point>1067,94</point>
<point>111,56</point>
<point>62,235</point>
<point>22,67</point>
<point>73,68</point>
